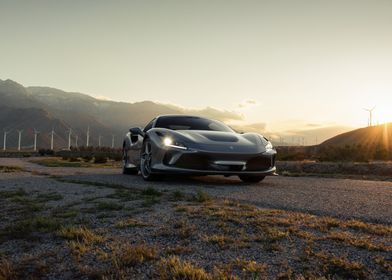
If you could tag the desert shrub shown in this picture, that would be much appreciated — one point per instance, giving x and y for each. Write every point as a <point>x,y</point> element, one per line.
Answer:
<point>115,157</point>
<point>201,196</point>
<point>45,152</point>
<point>100,159</point>
<point>87,158</point>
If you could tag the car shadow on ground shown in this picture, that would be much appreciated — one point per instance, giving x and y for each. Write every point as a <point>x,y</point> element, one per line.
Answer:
<point>211,181</point>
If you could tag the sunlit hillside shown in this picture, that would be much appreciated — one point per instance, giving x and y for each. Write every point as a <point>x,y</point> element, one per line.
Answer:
<point>380,136</point>
<point>364,144</point>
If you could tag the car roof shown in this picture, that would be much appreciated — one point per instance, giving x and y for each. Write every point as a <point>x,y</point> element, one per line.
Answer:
<point>178,115</point>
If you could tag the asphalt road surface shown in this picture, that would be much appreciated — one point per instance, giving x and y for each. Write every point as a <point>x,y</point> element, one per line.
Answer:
<point>343,198</point>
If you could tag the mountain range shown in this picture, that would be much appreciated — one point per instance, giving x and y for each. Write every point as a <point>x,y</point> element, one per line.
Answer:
<point>44,108</point>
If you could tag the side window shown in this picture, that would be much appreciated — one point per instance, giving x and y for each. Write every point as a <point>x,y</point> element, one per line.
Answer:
<point>149,126</point>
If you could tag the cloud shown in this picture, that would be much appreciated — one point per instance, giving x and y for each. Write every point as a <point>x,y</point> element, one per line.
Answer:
<point>253,127</point>
<point>248,103</point>
<point>210,112</point>
<point>313,125</point>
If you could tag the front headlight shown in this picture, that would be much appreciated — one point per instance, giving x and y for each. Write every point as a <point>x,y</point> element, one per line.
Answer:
<point>169,142</point>
<point>269,146</point>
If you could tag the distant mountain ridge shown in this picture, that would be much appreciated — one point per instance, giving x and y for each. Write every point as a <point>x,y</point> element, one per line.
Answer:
<point>44,108</point>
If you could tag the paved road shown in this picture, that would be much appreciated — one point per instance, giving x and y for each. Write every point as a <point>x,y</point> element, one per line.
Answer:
<point>344,198</point>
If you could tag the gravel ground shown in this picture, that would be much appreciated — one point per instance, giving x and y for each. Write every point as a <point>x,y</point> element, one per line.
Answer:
<point>88,223</point>
<point>343,198</point>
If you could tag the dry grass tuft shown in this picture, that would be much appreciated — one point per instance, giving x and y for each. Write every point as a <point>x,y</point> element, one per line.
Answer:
<point>174,268</point>
<point>80,234</point>
<point>326,223</point>
<point>385,264</point>
<point>369,228</point>
<point>359,242</point>
<point>128,223</point>
<point>7,271</point>
<point>184,229</point>
<point>78,248</point>
<point>223,241</point>
<point>123,255</point>
<point>9,169</point>
<point>340,266</point>
<point>251,269</point>
<point>178,250</point>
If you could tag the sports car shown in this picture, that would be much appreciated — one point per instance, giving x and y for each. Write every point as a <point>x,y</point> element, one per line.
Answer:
<point>179,144</point>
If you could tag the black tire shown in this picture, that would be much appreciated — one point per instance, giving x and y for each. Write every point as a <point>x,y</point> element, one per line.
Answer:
<point>146,156</point>
<point>251,178</point>
<point>128,171</point>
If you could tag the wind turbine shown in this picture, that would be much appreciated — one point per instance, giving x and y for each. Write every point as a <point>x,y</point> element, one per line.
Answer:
<point>69,138</point>
<point>99,140</point>
<point>370,115</point>
<point>19,138</point>
<point>51,139</point>
<point>5,140</point>
<point>113,141</point>
<point>35,139</point>
<point>88,136</point>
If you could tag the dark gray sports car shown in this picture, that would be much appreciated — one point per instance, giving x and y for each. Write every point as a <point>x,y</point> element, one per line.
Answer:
<point>178,144</point>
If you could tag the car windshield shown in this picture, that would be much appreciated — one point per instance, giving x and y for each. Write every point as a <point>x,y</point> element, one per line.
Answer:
<point>191,123</point>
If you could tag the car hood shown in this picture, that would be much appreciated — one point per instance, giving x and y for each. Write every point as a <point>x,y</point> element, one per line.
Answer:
<point>218,141</point>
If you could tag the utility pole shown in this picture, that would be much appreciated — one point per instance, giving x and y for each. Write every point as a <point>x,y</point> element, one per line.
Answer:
<point>5,140</point>
<point>69,139</point>
<point>76,140</point>
<point>20,138</point>
<point>51,139</point>
<point>35,139</point>
<point>88,136</point>
<point>112,141</point>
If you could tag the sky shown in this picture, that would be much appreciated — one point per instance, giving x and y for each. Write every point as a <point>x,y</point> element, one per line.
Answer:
<point>289,64</point>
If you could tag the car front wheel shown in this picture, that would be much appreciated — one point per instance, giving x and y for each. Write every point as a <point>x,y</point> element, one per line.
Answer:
<point>146,160</point>
<point>126,170</point>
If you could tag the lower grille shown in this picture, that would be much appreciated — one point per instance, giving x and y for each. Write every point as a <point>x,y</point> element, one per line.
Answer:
<point>260,163</point>
<point>194,161</point>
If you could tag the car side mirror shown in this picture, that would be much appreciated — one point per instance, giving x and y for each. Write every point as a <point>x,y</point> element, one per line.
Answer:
<point>135,131</point>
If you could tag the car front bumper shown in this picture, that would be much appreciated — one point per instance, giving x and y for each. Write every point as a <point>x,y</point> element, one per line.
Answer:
<point>213,163</point>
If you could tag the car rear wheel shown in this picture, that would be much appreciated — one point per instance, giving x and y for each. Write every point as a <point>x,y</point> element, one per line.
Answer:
<point>251,178</point>
<point>127,170</point>
<point>146,160</point>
